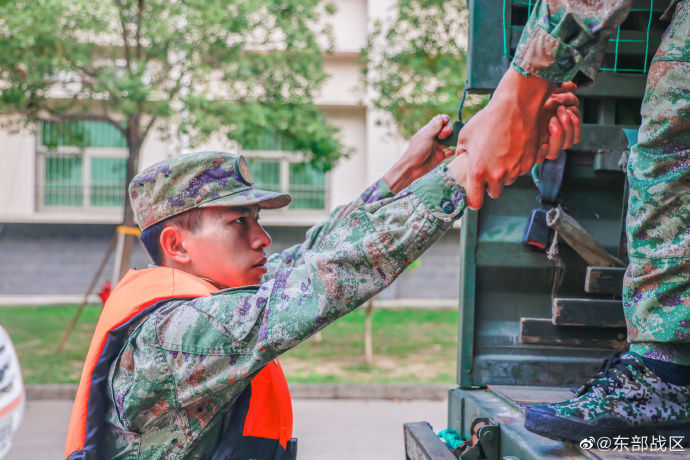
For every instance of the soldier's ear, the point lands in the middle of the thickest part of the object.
(172, 246)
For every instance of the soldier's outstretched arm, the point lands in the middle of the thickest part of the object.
(563, 40)
(422, 155)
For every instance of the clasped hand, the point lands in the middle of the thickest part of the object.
(525, 122)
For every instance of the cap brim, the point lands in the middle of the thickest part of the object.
(264, 198)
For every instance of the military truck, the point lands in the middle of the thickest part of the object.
(535, 317)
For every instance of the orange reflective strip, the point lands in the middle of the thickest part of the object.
(128, 230)
(270, 407)
(13, 405)
(136, 291)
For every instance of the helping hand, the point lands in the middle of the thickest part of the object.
(422, 155)
(526, 121)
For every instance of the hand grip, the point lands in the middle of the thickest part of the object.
(452, 140)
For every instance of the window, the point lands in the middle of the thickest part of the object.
(276, 171)
(307, 186)
(81, 165)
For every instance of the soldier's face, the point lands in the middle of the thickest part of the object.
(229, 246)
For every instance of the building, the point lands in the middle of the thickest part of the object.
(60, 201)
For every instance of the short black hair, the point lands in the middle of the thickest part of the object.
(151, 237)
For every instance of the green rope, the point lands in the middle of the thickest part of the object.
(505, 34)
(615, 58)
(529, 4)
(452, 438)
(649, 26)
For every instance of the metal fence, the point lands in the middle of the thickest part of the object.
(630, 48)
(81, 165)
(307, 187)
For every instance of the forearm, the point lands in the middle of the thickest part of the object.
(293, 255)
(398, 176)
(565, 40)
(355, 261)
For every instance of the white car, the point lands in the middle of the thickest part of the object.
(12, 396)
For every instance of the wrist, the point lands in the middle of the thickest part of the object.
(527, 93)
(458, 168)
(398, 176)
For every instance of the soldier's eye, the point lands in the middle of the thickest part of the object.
(241, 220)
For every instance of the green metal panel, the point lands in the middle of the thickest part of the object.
(494, 32)
(468, 271)
(503, 281)
(486, 62)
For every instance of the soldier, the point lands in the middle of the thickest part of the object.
(183, 360)
(647, 390)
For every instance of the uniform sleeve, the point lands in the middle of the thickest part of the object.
(293, 255)
(565, 40)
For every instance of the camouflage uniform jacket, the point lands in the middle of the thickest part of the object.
(565, 40)
(188, 359)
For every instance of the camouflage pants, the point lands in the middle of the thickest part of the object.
(656, 291)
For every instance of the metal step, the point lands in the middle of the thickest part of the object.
(604, 280)
(540, 331)
(587, 312)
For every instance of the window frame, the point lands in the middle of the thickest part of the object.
(285, 158)
(87, 154)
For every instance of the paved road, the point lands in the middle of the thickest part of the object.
(327, 429)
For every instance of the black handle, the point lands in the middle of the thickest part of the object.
(452, 140)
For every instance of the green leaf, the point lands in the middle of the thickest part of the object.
(415, 62)
(243, 68)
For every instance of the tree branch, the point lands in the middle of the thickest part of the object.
(138, 32)
(128, 58)
(148, 127)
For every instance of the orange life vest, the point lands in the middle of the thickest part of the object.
(258, 424)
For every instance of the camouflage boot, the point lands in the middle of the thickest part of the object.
(625, 398)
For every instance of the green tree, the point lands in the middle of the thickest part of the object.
(241, 68)
(414, 62)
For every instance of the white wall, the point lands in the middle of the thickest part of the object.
(17, 178)
(344, 83)
(350, 177)
(349, 24)
(156, 148)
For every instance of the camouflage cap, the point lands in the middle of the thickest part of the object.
(196, 180)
